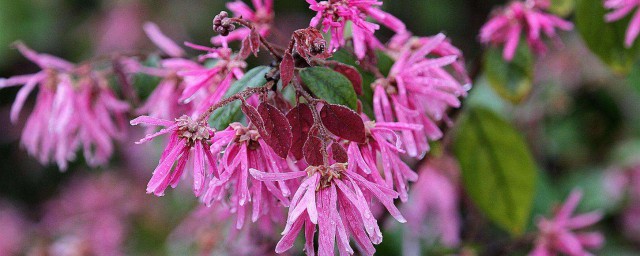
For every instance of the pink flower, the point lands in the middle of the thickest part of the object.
(620, 9)
(335, 200)
(241, 149)
(557, 235)
(334, 15)
(419, 90)
(188, 143)
(529, 17)
(164, 103)
(261, 18)
(90, 216)
(211, 230)
(383, 148)
(206, 86)
(162, 41)
(432, 210)
(75, 107)
(14, 229)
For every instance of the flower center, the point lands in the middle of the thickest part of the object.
(246, 135)
(191, 130)
(327, 173)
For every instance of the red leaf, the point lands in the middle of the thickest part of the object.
(352, 74)
(277, 128)
(301, 120)
(339, 153)
(343, 122)
(286, 69)
(254, 42)
(253, 116)
(313, 149)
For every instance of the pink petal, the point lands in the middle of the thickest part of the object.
(162, 41)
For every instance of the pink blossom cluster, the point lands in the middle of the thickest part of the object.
(559, 234)
(335, 15)
(329, 166)
(529, 17)
(85, 219)
(427, 67)
(75, 109)
(240, 169)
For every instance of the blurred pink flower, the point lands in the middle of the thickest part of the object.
(620, 9)
(261, 18)
(15, 229)
(507, 25)
(74, 107)
(119, 29)
(419, 90)
(623, 185)
(90, 216)
(334, 15)
(432, 210)
(213, 233)
(164, 103)
(557, 235)
(188, 144)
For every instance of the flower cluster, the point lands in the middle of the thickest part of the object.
(335, 15)
(75, 108)
(417, 75)
(318, 155)
(528, 17)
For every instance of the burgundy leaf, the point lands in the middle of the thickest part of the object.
(301, 120)
(254, 117)
(343, 122)
(278, 131)
(286, 69)
(313, 149)
(339, 153)
(352, 74)
(254, 42)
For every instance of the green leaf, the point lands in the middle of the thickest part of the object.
(230, 113)
(330, 85)
(605, 39)
(498, 170)
(513, 80)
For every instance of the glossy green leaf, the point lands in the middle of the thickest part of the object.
(604, 39)
(498, 170)
(513, 80)
(330, 85)
(222, 117)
